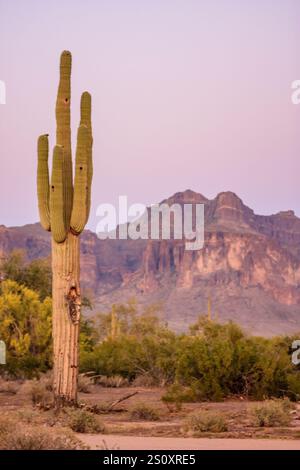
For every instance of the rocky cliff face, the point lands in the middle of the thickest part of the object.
(249, 267)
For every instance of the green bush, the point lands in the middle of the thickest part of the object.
(220, 361)
(176, 395)
(84, 422)
(125, 346)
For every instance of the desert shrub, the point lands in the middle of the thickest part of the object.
(84, 422)
(205, 421)
(144, 412)
(130, 357)
(272, 413)
(115, 381)
(9, 387)
(40, 393)
(220, 360)
(145, 380)
(214, 361)
(38, 439)
(27, 416)
(84, 384)
(132, 345)
(211, 362)
(176, 395)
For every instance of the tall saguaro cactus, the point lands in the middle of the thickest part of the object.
(64, 208)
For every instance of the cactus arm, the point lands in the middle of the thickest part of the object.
(85, 109)
(43, 182)
(85, 119)
(79, 212)
(63, 130)
(58, 229)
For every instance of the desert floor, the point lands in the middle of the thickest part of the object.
(169, 432)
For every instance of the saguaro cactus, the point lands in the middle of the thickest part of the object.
(64, 210)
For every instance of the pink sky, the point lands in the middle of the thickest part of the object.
(186, 94)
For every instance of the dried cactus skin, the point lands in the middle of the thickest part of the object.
(43, 181)
(63, 129)
(58, 229)
(79, 211)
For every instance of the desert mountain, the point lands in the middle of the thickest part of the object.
(249, 267)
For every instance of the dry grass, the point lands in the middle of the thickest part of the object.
(84, 422)
(9, 387)
(85, 384)
(40, 393)
(144, 412)
(272, 413)
(205, 421)
(116, 381)
(21, 436)
(144, 381)
(38, 438)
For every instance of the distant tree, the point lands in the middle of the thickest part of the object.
(35, 275)
(25, 327)
(127, 319)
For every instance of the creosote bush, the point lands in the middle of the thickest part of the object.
(115, 381)
(84, 422)
(272, 413)
(206, 421)
(84, 384)
(176, 395)
(40, 393)
(144, 412)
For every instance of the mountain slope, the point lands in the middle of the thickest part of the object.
(249, 267)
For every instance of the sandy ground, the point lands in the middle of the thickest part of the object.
(169, 432)
(112, 442)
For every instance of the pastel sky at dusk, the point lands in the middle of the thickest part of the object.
(186, 94)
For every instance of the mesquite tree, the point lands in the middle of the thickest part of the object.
(64, 208)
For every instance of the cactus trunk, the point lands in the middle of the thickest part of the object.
(66, 318)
